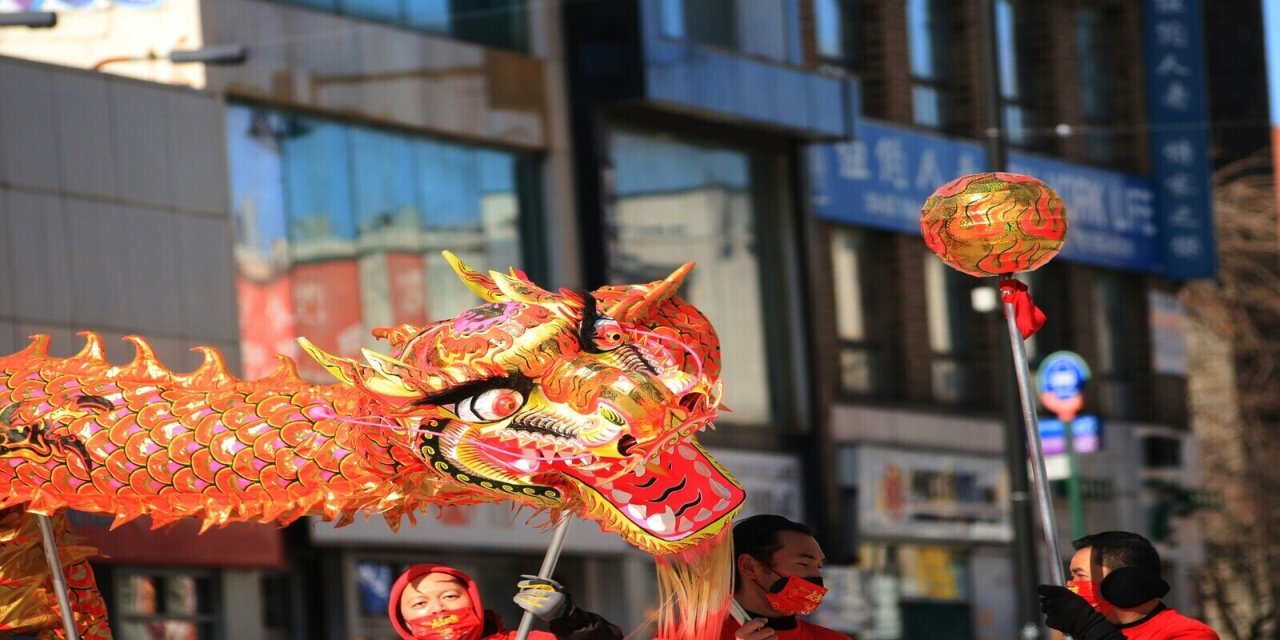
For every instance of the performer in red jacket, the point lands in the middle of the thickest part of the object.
(1115, 592)
(777, 576)
(435, 602)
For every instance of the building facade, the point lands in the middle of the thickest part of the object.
(786, 146)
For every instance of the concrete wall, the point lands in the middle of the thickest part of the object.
(114, 211)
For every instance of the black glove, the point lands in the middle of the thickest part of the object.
(1072, 615)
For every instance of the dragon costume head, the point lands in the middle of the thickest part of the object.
(563, 400)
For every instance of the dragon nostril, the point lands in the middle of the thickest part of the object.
(626, 444)
(691, 402)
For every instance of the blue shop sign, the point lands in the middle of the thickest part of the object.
(1178, 110)
(1111, 215)
(882, 178)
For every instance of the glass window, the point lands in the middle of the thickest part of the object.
(861, 355)
(946, 309)
(1096, 38)
(753, 27)
(931, 30)
(675, 202)
(1012, 93)
(1114, 321)
(836, 24)
(496, 23)
(340, 228)
(164, 604)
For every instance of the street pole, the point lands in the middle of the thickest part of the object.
(1026, 610)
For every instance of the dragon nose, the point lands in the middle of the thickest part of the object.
(626, 444)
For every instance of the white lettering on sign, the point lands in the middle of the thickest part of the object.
(1169, 66)
(852, 160)
(1172, 33)
(928, 175)
(1176, 96)
(891, 156)
(1180, 184)
(1186, 246)
(1179, 151)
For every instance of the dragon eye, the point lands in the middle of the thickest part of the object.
(606, 334)
(489, 406)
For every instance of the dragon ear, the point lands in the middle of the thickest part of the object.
(643, 299)
(477, 282)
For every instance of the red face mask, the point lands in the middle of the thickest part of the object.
(452, 624)
(1087, 589)
(796, 596)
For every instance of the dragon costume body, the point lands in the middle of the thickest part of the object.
(561, 401)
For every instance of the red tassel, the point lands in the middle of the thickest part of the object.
(1026, 314)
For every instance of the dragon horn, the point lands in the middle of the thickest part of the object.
(386, 381)
(477, 282)
(520, 290)
(643, 299)
(343, 369)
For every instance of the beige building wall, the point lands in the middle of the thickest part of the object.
(113, 215)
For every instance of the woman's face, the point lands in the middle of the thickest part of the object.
(433, 593)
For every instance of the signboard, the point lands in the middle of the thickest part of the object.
(237, 545)
(1178, 112)
(1168, 320)
(772, 483)
(934, 496)
(1060, 380)
(883, 176)
(1111, 215)
(1086, 435)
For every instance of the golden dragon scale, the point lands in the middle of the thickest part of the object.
(585, 402)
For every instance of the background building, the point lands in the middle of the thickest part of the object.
(784, 145)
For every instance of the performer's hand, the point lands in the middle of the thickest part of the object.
(1073, 615)
(543, 597)
(755, 629)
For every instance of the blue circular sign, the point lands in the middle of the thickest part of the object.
(1062, 374)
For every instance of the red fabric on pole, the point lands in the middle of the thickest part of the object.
(1026, 314)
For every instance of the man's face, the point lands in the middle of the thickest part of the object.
(433, 593)
(799, 556)
(1081, 564)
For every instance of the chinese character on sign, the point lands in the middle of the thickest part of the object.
(1179, 151)
(1176, 96)
(892, 157)
(928, 175)
(1172, 34)
(852, 157)
(1186, 246)
(1182, 216)
(1180, 184)
(1169, 66)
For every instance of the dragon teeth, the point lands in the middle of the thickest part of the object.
(663, 522)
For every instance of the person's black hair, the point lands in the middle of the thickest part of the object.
(757, 537)
(1117, 549)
